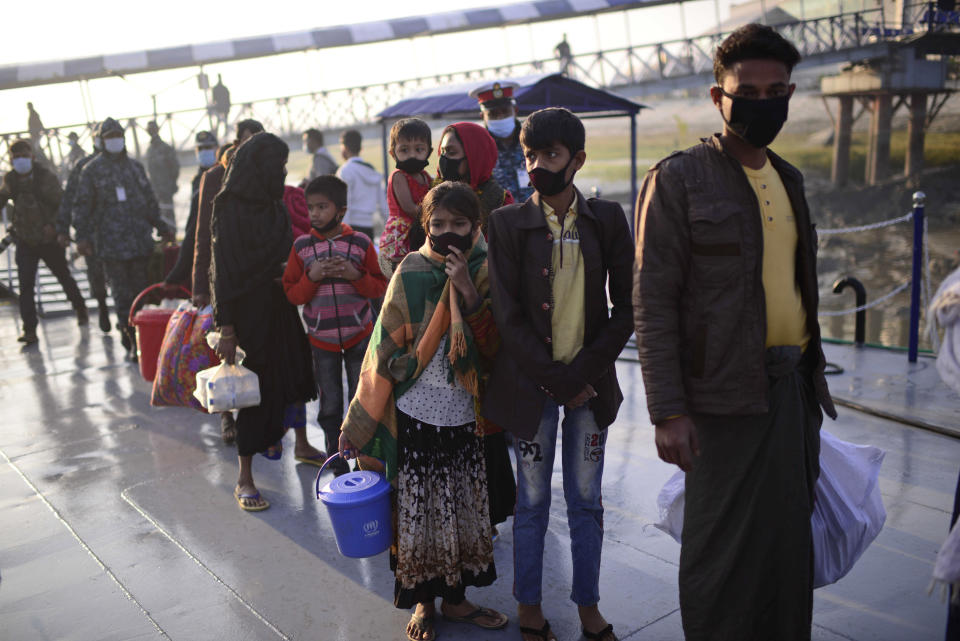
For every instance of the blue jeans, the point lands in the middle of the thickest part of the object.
(582, 465)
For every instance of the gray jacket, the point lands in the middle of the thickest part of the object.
(323, 164)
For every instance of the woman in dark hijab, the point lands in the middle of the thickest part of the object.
(251, 240)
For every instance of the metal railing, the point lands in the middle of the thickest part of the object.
(644, 66)
(918, 284)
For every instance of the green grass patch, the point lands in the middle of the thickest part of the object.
(608, 156)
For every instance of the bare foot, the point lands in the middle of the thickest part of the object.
(249, 499)
(307, 451)
(420, 626)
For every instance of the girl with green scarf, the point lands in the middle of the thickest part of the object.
(415, 409)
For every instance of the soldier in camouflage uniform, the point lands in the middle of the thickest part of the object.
(114, 215)
(36, 193)
(95, 275)
(499, 110)
(163, 169)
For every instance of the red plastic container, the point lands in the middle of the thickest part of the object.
(151, 326)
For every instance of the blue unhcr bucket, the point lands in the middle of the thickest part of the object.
(359, 507)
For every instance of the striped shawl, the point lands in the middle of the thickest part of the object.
(419, 310)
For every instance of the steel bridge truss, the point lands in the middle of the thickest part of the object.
(646, 68)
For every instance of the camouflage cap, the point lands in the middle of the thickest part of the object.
(205, 138)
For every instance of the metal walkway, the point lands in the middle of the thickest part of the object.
(123, 525)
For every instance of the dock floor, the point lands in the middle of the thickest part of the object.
(117, 521)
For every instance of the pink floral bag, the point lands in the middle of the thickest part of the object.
(184, 352)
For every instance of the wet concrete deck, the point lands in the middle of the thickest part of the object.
(885, 383)
(117, 522)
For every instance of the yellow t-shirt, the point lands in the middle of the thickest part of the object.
(566, 282)
(786, 317)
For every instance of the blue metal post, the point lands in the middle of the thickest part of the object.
(633, 172)
(919, 200)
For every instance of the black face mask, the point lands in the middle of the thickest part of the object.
(757, 121)
(550, 183)
(442, 243)
(450, 168)
(412, 165)
(330, 226)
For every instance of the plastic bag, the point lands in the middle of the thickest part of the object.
(847, 515)
(670, 503)
(227, 387)
(184, 352)
(946, 570)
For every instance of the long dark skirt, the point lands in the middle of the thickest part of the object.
(501, 483)
(746, 562)
(278, 351)
(443, 533)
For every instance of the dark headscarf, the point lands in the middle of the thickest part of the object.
(250, 226)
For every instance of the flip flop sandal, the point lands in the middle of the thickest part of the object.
(274, 452)
(425, 626)
(476, 614)
(317, 460)
(544, 633)
(261, 504)
(603, 635)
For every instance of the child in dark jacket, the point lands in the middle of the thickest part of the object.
(333, 273)
(553, 261)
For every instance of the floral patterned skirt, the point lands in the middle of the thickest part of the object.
(443, 532)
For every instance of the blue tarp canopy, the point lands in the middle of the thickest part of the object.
(532, 93)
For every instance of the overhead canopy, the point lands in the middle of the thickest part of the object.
(190, 55)
(532, 93)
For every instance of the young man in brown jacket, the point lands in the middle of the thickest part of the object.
(552, 261)
(725, 303)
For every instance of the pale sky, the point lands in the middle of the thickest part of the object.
(95, 27)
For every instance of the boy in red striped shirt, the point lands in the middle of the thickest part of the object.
(333, 272)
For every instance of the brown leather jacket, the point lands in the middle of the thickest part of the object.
(524, 374)
(699, 304)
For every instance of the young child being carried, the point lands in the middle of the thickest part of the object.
(410, 146)
(333, 273)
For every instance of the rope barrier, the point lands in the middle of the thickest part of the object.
(872, 303)
(925, 284)
(880, 225)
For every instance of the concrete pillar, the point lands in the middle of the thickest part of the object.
(878, 156)
(840, 171)
(915, 136)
